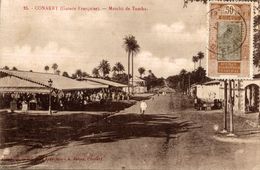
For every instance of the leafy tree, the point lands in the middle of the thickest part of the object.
(73, 76)
(6, 68)
(65, 74)
(141, 71)
(78, 73)
(104, 67)
(46, 68)
(121, 78)
(151, 74)
(85, 74)
(54, 67)
(14, 68)
(95, 72)
(58, 72)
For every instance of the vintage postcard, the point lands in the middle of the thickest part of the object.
(230, 41)
(130, 84)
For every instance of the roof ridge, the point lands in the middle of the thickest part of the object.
(28, 71)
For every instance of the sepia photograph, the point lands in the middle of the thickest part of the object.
(130, 84)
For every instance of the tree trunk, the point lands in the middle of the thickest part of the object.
(200, 62)
(128, 69)
(132, 73)
(225, 106)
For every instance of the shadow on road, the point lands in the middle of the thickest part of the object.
(44, 131)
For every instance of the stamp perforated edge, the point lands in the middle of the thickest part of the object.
(251, 48)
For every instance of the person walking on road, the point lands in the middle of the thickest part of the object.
(143, 107)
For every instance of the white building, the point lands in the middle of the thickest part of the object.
(208, 91)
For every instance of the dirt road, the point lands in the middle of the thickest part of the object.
(168, 136)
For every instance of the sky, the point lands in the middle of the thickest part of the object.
(168, 34)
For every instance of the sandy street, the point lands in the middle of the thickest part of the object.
(166, 137)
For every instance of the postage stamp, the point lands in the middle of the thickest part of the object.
(230, 40)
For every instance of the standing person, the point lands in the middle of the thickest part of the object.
(143, 107)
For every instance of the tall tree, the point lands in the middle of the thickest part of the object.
(141, 71)
(54, 67)
(194, 60)
(183, 73)
(95, 72)
(200, 56)
(104, 67)
(132, 48)
(46, 68)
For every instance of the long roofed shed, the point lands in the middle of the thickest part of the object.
(58, 82)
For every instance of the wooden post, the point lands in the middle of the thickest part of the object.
(50, 85)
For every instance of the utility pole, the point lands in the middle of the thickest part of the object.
(50, 85)
(231, 104)
(225, 108)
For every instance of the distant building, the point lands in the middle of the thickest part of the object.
(208, 91)
(139, 85)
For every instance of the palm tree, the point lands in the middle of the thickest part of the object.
(120, 67)
(104, 67)
(95, 72)
(132, 48)
(141, 71)
(135, 50)
(183, 73)
(46, 68)
(200, 56)
(195, 60)
(115, 69)
(54, 67)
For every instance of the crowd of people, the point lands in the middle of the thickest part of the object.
(74, 100)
